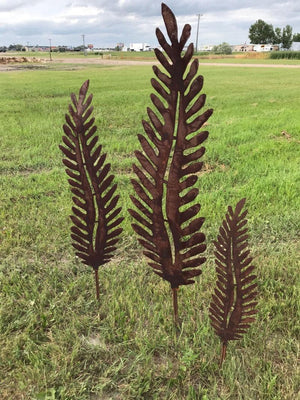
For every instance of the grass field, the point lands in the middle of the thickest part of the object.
(244, 58)
(56, 341)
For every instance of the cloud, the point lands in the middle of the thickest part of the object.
(106, 22)
(11, 5)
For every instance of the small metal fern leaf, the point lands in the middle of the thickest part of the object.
(96, 220)
(233, 303)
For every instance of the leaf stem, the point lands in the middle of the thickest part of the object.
(175, 306)
(223, 353)
(97, 283)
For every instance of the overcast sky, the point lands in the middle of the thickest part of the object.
(108, 22)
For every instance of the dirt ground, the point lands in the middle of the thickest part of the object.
(150, 62)
(13, 64)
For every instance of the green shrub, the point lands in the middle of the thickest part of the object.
(223, 48)
(202, 53)
(291, 55)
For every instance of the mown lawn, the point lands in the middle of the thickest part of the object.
(56, 341)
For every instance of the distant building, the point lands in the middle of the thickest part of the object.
(265, 47)
(205, 47)
(243, 47)
(295, 46)
(139, 47)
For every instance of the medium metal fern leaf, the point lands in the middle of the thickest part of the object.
(166, 215)
(96, 220)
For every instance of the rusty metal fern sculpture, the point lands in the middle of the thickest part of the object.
(233, 303)
(96, 220)
(166, 215)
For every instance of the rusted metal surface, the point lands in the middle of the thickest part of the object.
(96, 221)
(233, 306)
(167, 217)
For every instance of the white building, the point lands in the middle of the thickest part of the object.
(205, 47)
(265, 47)
(295, 46)
(139, 47)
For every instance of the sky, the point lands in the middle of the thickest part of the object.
(104, 23)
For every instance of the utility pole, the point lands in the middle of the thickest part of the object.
(50, 50)
(83, 43)
(199, 15)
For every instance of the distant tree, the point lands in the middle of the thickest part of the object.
(261, 32)
(79, 48)
(296, 37)
(287, 37)
(223, 48)
(277, 36)
(15, 47)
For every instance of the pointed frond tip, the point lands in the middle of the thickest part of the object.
(233, 305)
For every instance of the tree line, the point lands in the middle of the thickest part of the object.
(259, 33)
(262, 33)
(21, 47)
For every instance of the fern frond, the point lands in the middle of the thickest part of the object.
(96, 220)
(233, 307)
(167, 220)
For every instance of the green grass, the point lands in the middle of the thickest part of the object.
(56, 342)
(286, 55)
(238, 60)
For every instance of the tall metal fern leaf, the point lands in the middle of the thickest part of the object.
(166, 215)
(96, 220)
(233, 307)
